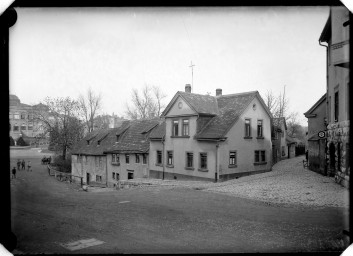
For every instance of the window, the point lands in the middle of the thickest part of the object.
(30, 116)
(144, 159)
(113, 175)
(203, 160)
(15, 127)
(260, 156)
(336, 106)
(113, 158)
(232, 158)
(159, 157)
(189, 159)
(30, 127)
(175, 127)
(127, 158)
(247, 128)
(137, 158)
(170, 157)
(185, 127)
(23, 127)
(16, 116)
(98, 178)
(23, 115)
(259, 129)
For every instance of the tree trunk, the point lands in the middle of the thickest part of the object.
(64, 152)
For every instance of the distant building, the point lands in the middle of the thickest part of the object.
(317, 146)
(336, 35)
(212, 137)
(276, 142)
(22, 122)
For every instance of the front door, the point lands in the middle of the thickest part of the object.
(88, 179)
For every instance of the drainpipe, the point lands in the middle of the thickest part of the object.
(327, 110)
(217, 170)
(163, 153)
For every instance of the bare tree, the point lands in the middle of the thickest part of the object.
(89, 106)
(148, 104)
(271, 101)
(60, 120)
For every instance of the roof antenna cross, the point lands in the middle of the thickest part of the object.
(192, 75)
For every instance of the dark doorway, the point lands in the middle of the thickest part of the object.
(332, 157)
(130, 175)
(88, 178)
(338, 157)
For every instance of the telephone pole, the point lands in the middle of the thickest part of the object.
(192, 76)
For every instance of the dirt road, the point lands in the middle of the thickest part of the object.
(166, 219)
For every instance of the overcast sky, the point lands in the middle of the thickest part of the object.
(60, 52)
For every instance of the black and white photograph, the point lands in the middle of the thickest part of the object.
(177, 129)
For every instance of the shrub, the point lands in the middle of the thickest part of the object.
(62, 165)
(21, 142)
(12, 142)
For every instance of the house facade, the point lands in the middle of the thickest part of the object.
(128, 157)
(336, 35)
(22, 122)
(105, 156)
(212, 137)
(316, 145)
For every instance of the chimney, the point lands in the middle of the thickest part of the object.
(188, 88)
(218, 92)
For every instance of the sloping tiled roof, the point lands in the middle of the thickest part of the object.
(202, 104)
(135, 139)
(230, 107)
(158, 133)
(83, 148)
(290, 140)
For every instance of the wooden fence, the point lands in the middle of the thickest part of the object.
(64, 176)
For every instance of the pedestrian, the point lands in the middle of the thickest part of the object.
(23, 164)
(18, 164)
(29, 166)
(14, 172)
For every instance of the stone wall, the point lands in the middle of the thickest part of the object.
(338, 135)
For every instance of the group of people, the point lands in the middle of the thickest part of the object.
(21, 165)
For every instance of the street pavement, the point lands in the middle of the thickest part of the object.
(47, 214)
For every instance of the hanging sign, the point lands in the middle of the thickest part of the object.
(321, 134)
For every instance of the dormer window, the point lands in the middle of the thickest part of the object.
(98, 143)
(117, 138)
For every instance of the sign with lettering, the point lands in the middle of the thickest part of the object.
(321, 134)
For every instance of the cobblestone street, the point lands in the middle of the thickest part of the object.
(288, 183)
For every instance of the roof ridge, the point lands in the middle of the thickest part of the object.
(236, 94)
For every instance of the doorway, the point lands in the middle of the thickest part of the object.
(87, 178)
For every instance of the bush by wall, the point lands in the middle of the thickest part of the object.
(62, 165)
(21, 142)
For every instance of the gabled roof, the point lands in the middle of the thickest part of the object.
(158, 132)
(135, 139)
(201, 104)
(318, 103)
(326, 32)
(279, 121)
(230, 108)
(89, 144)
